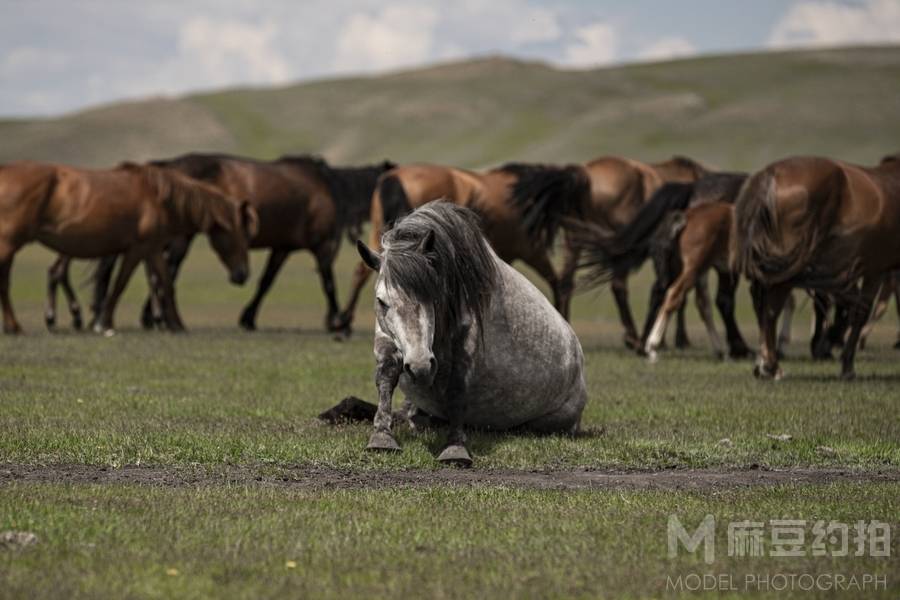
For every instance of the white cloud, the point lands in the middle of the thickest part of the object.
(228, 51)
(828, 23)
(397, 36)
(666, 48)
(597, 45)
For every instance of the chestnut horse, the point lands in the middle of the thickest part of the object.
(821, 224)
(620, 187)
(302, 202)
(519, 204)
(133, 210)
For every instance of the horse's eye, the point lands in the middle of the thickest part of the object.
(382, 305)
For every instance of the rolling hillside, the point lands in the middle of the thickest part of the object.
(737, 111)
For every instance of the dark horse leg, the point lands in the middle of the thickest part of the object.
(820, 345)
(567, 279)
(165, 291)
(102, 277)
(129, 262)
(860, 310)
(175, 253)
(769, 302)
(387, 374)
(897, 303)
(619, 286)
(725, 294)
(58, 274)
(360, 277)
(325, 254)
(681, 337)
(276, 259)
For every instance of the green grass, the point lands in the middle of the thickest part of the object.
(125, 541)
(219, 395)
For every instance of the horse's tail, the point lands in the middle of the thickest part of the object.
(608, 255)
(547, 196)
(394, 201)
(759, 248)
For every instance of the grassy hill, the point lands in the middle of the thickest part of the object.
(737, 111)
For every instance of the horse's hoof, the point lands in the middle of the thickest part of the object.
(682, 343)
(12, 330)
(50, 321)
(77, 323)
(848, 375)
(108, 333)
(652, 356)
(247, 324)
(764, 372)
(719, 355)
(632, 342)
(456, 455)
(382, 441)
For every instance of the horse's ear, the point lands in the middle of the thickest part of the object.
(427, 243)
(369, 256)
(249, 220)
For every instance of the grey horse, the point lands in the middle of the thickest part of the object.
(467, 337)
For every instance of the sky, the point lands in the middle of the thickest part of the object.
(58, 56)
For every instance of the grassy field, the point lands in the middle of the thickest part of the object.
(220, 398)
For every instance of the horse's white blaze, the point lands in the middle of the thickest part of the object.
(412, 336)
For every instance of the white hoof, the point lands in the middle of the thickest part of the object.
(652, 356)
(109, 333)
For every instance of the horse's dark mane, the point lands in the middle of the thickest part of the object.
(351, 188)
(546, 194)
(458, 274)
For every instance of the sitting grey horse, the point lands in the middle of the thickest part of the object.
(466, 336)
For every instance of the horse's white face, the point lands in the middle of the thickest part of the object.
(410, 325)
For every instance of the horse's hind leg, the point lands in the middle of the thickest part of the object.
(160, 270)
(768, 301)
(725, 293)
(619, 285)
(71, 298)
(897, 303)
(10, 324)
(102, 277)
(681, 337)
(860, 312)
(325, 254)
(273, 266)
(54, 275)
(540, 262)
(881, 305)
(175, 253)
(129, 262)
(567, 279)
(787, 317)
(704, 307)
(819, 345)
(674, 299)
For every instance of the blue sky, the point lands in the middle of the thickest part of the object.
(62, 55)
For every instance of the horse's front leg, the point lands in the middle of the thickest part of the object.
(160, 271)
(130, 261)
(54, 274)
(860, 310)
(455, 452)
(387, 373)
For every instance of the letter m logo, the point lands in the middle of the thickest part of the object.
(705, 534)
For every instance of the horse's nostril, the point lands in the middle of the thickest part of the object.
(408, 370)
(433, 363)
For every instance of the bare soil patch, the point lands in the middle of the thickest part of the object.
(323, 478)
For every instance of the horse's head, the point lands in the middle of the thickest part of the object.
(402, 314)
(436, 277)
(229, 235)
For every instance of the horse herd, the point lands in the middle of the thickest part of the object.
(818, 224)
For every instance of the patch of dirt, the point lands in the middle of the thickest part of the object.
(321, 478)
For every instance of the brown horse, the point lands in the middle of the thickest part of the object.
(302, 202)
(519, 204)
(133, 210)
(821, 224)
(684, 242)
(620, 187)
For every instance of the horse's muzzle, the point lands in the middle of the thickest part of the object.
(421, 372)
(239, 276)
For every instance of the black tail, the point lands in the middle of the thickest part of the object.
(394, 201)
(546, 195)
(606, 256)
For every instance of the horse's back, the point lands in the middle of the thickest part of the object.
(531, 362)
